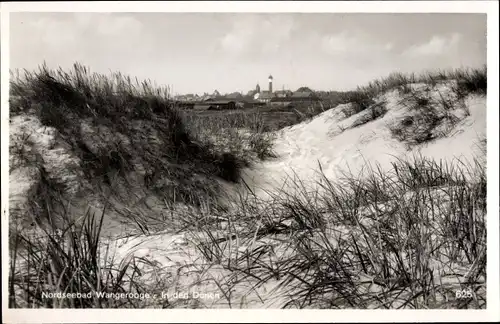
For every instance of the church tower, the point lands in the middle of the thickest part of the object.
(270, 84)
(257, 88)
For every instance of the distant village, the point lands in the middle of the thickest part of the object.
(253, 98)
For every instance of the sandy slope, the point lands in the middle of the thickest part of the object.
(302, 147)
(33, 145)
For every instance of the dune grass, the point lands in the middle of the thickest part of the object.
(63, 99)
(117, 125)
(469, 80)
(72, 268)
(410, 238)
(466, 81)
(243, 133)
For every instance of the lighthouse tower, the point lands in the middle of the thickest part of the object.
(270, 84)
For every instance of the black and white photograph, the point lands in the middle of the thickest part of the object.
(247, 160)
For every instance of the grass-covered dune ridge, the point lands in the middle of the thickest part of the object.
(117, 136)
(438, 119)
(377, 201)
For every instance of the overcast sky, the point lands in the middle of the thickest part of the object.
(201, 52)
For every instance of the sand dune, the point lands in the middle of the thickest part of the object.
(336, 141)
